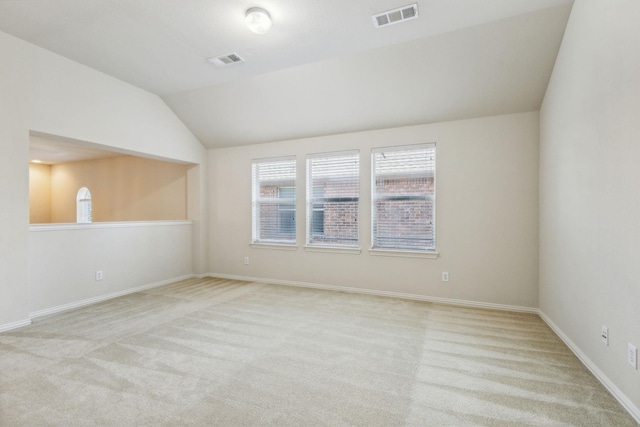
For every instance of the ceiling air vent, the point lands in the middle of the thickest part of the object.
(224, 60)
(395, 16)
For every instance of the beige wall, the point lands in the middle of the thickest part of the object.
(123, 188)
(590, 189)
(486, 220)
(39, 193)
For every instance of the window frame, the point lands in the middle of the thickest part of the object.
(427, 251)
(315, 204)
(257, 201)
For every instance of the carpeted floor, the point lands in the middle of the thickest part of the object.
(229, 353)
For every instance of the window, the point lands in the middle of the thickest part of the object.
(403, 197)
(333, 188)
(317, 213)
(273, 195)
(286, 210)
(83, 206)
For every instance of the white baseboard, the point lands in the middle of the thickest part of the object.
(15, 325)
(89, 301)
(606, 382)
(416, 297)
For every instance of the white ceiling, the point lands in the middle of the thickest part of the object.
(322, 69)
(51, 151)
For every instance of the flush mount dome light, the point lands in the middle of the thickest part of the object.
(258, 20)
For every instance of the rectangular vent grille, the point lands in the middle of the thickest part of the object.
(224, 60)
(395, 16)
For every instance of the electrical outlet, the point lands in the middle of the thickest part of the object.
(99, 275)
(632, 355)
(605, 335)
(246, 260)
(445, 276)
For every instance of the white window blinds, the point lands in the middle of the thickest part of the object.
(273, 194)
(403, 197)
(333, 188)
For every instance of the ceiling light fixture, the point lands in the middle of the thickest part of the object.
(258, 20)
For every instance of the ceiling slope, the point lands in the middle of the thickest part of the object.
(162, 45)
(496, 68)
(324, 68)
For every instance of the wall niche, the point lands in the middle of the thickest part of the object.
(124, 187)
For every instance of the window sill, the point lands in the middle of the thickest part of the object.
(97, 225)
(276, 246)
(333, 250)
(404, 253)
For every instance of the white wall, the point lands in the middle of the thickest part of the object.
(14, 180)
(75, 101)
(487, 219)
(197, 205)
(590, 189)
(130, 255)
(43, 92)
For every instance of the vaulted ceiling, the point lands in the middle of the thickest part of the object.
(324, 68)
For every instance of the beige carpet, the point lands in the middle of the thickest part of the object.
(220, 352)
